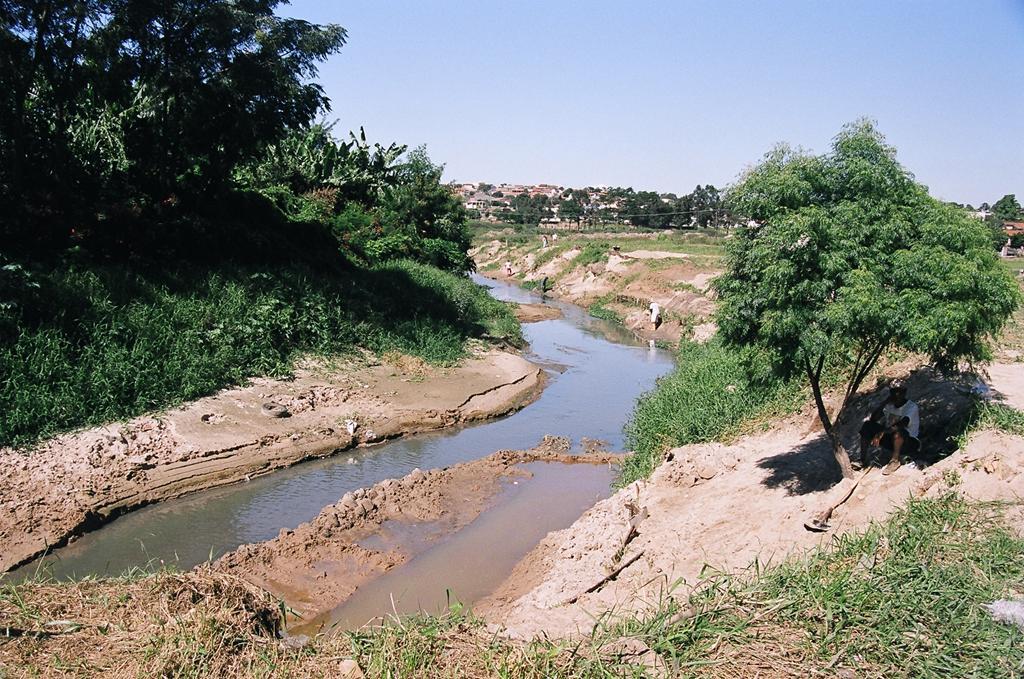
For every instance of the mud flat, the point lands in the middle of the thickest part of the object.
(76, 482)
(534, 313)
(371, 531)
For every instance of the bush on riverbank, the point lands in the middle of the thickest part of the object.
(708, 396)
(99, 343)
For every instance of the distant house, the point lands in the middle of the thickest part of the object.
(1013, 228)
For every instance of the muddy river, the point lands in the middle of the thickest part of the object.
(596, 370)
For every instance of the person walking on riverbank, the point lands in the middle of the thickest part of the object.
(655, 314)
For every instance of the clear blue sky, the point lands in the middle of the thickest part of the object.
(666, 95)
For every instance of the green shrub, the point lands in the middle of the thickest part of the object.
(591, 253)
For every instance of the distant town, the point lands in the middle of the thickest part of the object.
(567, 207)
(564, 206)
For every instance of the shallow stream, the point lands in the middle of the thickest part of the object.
(595, 369)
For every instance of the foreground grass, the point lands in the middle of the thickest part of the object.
(101, 344)
(903, 598)
(707, 397)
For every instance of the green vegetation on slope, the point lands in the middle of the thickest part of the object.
(903, 597)
(104, 343)
(708, 396)
(170, 230)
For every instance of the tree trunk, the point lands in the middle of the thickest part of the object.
(838, 450)
(841, 454)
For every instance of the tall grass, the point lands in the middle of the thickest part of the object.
(709, 395)
(108, 343)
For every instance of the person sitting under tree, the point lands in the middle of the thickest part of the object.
(893, 426)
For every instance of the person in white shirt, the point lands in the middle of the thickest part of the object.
(894, 426)
(655, 309)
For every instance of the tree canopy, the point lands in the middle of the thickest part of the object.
(170, 130)
(848, 257)
(136, 104)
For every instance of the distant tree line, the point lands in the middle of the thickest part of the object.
(703, 207)
(1006, 209)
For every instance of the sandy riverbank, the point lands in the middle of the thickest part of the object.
(658, 537)
(624, 280)
(319, 564)
(77, 481)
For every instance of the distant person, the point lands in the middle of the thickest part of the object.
(554, 237)
(655, 309)
(544, 241)
(544, 285)
(893, 426)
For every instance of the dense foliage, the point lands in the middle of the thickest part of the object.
(116, 108)
(127, 127)
(848, 257)
(174, 220)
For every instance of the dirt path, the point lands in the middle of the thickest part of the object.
(75, 482)
(320, 564)
(1007, 379)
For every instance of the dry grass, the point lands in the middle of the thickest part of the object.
(195, 624)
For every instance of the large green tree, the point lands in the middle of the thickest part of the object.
(141, 103)
(849, 258)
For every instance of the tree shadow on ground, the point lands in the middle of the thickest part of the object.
(808, 468)
(947, 408)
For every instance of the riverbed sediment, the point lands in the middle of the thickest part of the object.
(319, 564)
(75, 482)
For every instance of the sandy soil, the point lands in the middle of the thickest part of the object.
(75, 482)
(321, 563)
(534, 313)
(1007, 379)
(695, 512)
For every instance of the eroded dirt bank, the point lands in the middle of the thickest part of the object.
(77, 481)
(624, 281)
(321, 563)
(723, 506)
